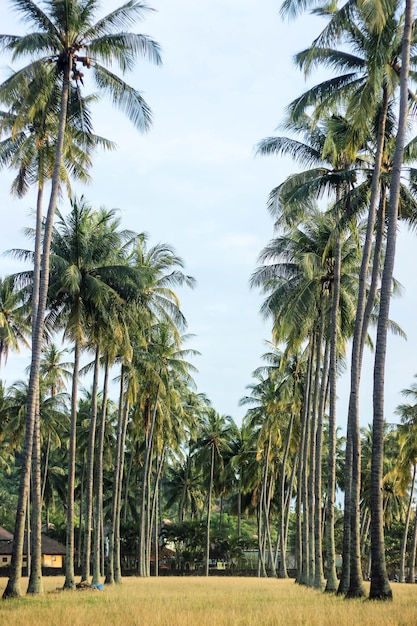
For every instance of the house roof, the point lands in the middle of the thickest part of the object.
(5, 535)
(49, 546)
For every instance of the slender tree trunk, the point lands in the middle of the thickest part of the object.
(412, 558)
(69, 558)
(331, 576)
(302, 509)
(155, 509)
(312, 455)
(117, 555)
(406, 527)
(319, 582)
(380, 587)
(98, 534)
(81, 517)
(351, 582)
(13, 588)
(209, 512)
(282, 571)
(185, 486)
(35, 579)
(144, 532)
(86, 562)
(13, 585)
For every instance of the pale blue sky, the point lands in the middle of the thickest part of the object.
(193, 181)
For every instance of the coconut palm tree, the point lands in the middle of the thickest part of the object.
(380, 587)
(58, 36)
(87, 263)
(213, 442)
(408, 463)
(14, 319)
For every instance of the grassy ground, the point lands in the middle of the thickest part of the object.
(174, 601)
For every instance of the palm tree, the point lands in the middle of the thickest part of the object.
(408, 463)
(366, 81)
(145, 369)
(380, 587)
(87, 259)
(213, 442)
(14, 319)
(58, 37)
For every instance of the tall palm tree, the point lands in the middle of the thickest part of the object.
(380, 587)
(14, 319)
(86, 259)
(366, 81)
(408, 462)
(58, 37)
(213, 442)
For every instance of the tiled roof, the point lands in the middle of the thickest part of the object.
(49, 546)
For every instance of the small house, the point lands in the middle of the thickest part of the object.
(53, 552)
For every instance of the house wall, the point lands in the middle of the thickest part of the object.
(52, 560)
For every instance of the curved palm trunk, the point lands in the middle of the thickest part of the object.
(116, 484)
(282, 571)
(331, 576)
(302, 508)
(184, 489)
(380, 587)
(85, 574)
(312, 456)
(401, 576)
(412, 557)
(114, 572)
(35, 580)
(145, 534)
(155, 509)
(13, 584)
(318, 504)
(209, 511)
(99, 481)
(352, 581)
(69, 558)
(267, 507)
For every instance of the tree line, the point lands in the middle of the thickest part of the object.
(326, 277)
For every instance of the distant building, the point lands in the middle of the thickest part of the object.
(53, 552)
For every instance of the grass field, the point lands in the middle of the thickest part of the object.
(172, 601)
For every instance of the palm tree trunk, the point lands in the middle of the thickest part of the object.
(380, 587)
(13, 585)
(155, 508)
(86, 562)
(301, 505)
(81, 516)
(331, 576)
(413, 549)
(184, 488)
(312, 455)
(98, 535)
(35, 580)
(209, 512)
(282, 571)
(118, 503)
(318, 505)
(401, 576)
(69, 558)
(144, 531)
(351, 582)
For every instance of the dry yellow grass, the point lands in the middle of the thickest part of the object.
(177, 601)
